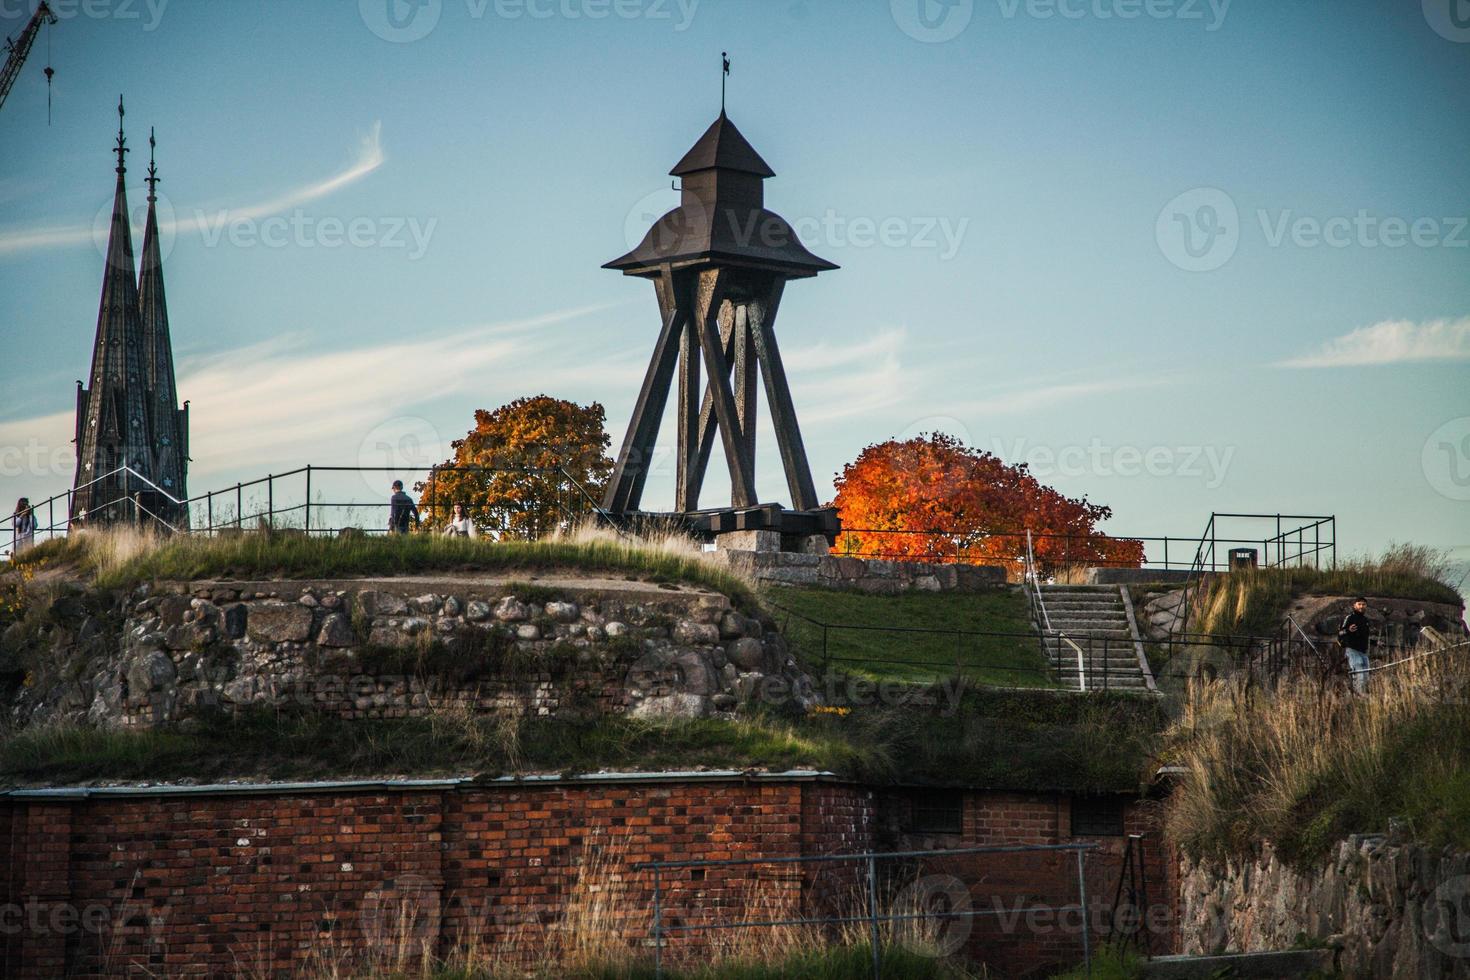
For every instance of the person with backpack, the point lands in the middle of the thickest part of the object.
(401, 510)
(23, 525)
(1353, 634)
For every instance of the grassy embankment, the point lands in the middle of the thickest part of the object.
(1306, 765)
(944, 733)
(869, 635)
(120, 559)
(1255, 603)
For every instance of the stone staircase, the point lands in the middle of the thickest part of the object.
(1099, 619)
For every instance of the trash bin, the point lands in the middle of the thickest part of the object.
(1244, 558)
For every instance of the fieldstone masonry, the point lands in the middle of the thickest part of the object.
(389, 648)
(863, 575)
(1393, 909)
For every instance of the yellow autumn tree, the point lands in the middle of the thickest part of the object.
(525, 469)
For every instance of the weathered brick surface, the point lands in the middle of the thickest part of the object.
(225, 885)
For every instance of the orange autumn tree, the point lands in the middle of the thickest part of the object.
(531, 465)
(955, 503)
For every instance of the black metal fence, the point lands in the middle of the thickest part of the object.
(1278, 540)
(325, 500)
(925, 901)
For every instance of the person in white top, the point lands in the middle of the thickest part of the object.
(460, 525)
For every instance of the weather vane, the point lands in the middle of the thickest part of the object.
(725, 58)
(153, 177)
(122, 143)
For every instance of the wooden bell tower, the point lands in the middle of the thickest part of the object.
(719, 263)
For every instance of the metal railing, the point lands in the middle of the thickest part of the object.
(863, 898)
(316, 500)
(1313, 540)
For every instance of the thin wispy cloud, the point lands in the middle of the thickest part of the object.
(278, 401)
(1038, 397)
(367, 157)
(831, 383)
(1391, 342)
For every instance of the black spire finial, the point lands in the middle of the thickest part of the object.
(122, 142)
(153, 177)
(724, 74)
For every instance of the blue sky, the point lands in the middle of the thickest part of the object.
(1181, 256)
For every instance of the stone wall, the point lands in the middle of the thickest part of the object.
(1395, 910)
(392, 648)
(862, 574)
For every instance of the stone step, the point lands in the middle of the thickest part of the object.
(1096, 635)
(1289, 963)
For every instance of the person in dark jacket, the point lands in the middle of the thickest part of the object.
(401, 509)
(1353, 634)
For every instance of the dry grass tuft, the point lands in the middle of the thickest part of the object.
(1308, 763)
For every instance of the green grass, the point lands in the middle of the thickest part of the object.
(1002, 739)
(119, 560)
(886, 653)
(838, 962)
(308, 745)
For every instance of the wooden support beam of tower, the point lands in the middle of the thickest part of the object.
(625, 489)
(762, 317)
(713, 286)
(688, 474)
(707, 408)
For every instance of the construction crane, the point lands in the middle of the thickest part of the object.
(18, 50)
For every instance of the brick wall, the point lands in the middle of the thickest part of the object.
(208, 884)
